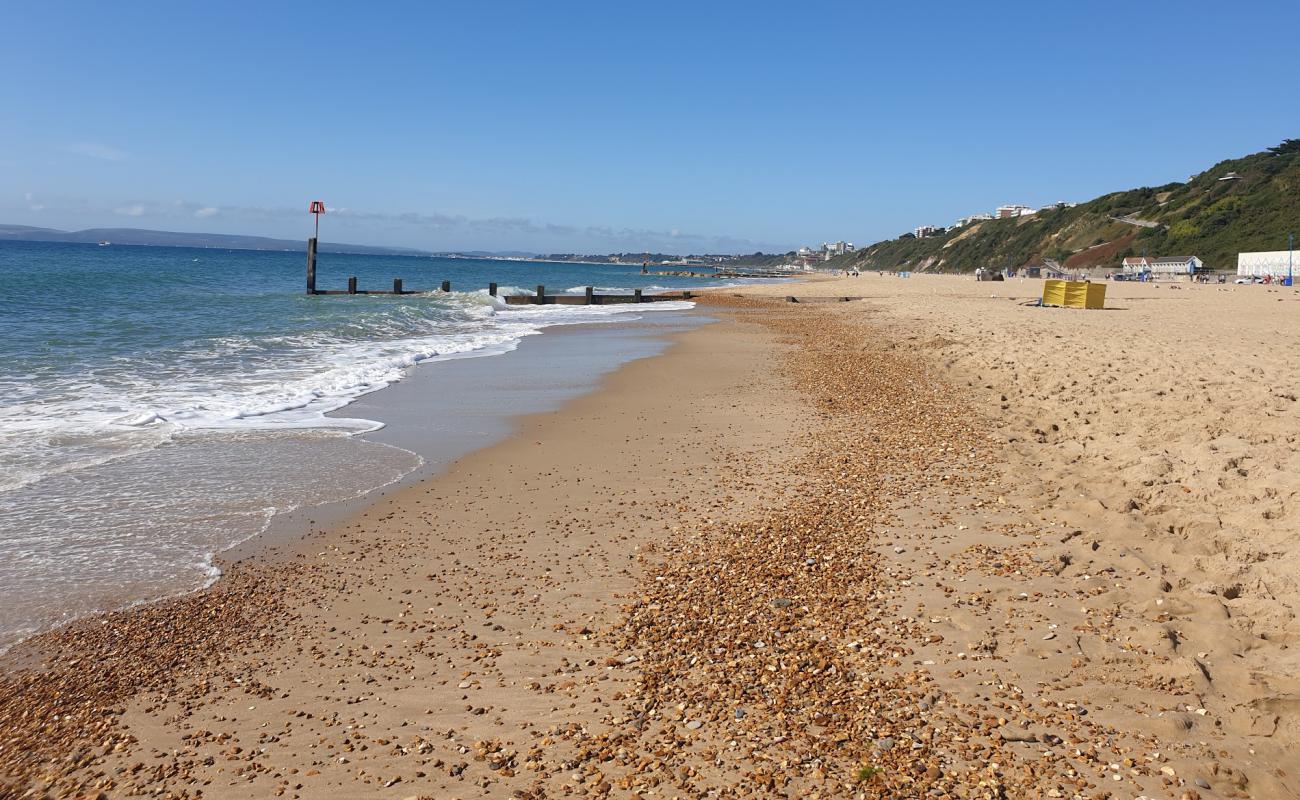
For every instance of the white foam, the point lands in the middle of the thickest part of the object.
(280, 383)
(138, 420)
(68, 553)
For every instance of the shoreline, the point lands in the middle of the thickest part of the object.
(530, 389)
(483, 403)
(542, 620)
(253, 594)
(125, 484)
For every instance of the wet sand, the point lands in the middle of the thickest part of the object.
(443, 411)
(934, 543)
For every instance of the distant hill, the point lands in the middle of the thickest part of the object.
(1238, 205)
(176, 239)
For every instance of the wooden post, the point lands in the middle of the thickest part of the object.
(397, 285)
(352, 285)
(311, 265)
(590, 292)
(446, 286)
(637, 294)
(492, 289)
(541, 294)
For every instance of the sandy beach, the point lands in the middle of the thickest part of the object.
(934, 542)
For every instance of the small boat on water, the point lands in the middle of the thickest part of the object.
(105, 243)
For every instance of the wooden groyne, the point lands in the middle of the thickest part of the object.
(540, 297)
(398, 288)
(588, 298)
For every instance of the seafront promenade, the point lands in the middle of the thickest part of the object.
(932, 543)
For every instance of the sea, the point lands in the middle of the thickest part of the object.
(160, 405)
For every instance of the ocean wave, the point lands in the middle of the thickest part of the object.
(250, 382)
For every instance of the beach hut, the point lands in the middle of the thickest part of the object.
(1275, 263)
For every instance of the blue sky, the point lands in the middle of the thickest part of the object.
(593, 127)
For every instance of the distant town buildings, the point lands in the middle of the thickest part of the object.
(809, 257)
(1009, 211)
(1005, 212)
(964, 221)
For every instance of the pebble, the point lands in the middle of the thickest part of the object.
(1010, 734)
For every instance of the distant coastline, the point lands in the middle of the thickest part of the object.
(144, 237)
(151, 238)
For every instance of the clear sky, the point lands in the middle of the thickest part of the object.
(592, 127)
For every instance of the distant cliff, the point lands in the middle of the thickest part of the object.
(1243, 204)
(177, 239)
